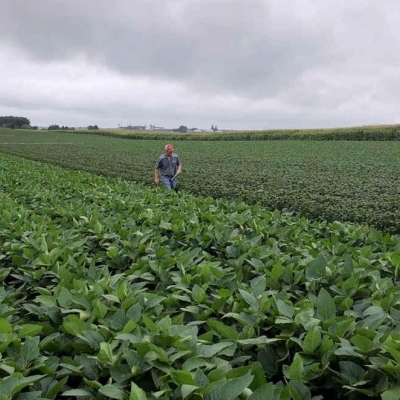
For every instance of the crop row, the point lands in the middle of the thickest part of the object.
(113, 290)
(362, 133)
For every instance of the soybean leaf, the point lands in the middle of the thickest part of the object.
(137, 393)
(234, 387)
(325, 305)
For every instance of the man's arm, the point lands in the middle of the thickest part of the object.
(156, 178)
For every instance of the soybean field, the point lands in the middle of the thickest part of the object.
(355, 181)
(116, 290)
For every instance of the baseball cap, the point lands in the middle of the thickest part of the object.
(169, 147)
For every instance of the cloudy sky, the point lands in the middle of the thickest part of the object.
(254, 64)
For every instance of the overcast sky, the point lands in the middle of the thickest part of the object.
(253, 64)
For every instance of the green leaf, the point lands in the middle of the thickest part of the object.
(78, 393)
(234, 387)
(5, 326)
(149, 323)
(393, 393)
(316, 269)
(99, 310)
(299, 390)
(7, 385)
(7, 368)
(14, 384)
(258, 285)
(347, 350)
(112, 392)
(211, 350)
(187, 390)
(285, 309)
(137, 393)
(105, 354)
(268, 359)
(112, 251)
(277, 270)
(264, 392)
(259, 375)
(54, 390)
(343, 327)
(112, 298)
(227, 332)
(198, 294)
(201, 379)
(225, 293)
(253, 341)
(363, 343)
(73, 325)
(29, 330)
(24, 382)
(134, 313)
(65, 298)
(182, 378)
(256, 263)
(249, 299)
(30, 349)
(351, 371)
(296, 368)
(48, 301)
(98, 227)
(312, 340)
(92, 338)
(194, 363)
(325, 305)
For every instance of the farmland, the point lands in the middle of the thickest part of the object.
(115, 290)
(353, 181)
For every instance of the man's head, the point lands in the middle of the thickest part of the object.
(169, 149)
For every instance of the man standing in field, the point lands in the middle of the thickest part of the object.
(169, 166)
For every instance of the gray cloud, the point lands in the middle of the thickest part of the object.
(246, 64)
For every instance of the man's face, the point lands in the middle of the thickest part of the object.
(169, 151)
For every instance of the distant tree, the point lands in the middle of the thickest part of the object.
(14, 122)
(93, 127)
(54, 127)
(214, 128)
(183, 129)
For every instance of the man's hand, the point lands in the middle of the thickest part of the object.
(157, 181)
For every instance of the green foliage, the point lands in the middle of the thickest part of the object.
(113, 290)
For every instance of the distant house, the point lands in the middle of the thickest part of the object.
(161, 129)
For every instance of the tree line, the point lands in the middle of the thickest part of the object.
(56, 127)
(24, 123)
